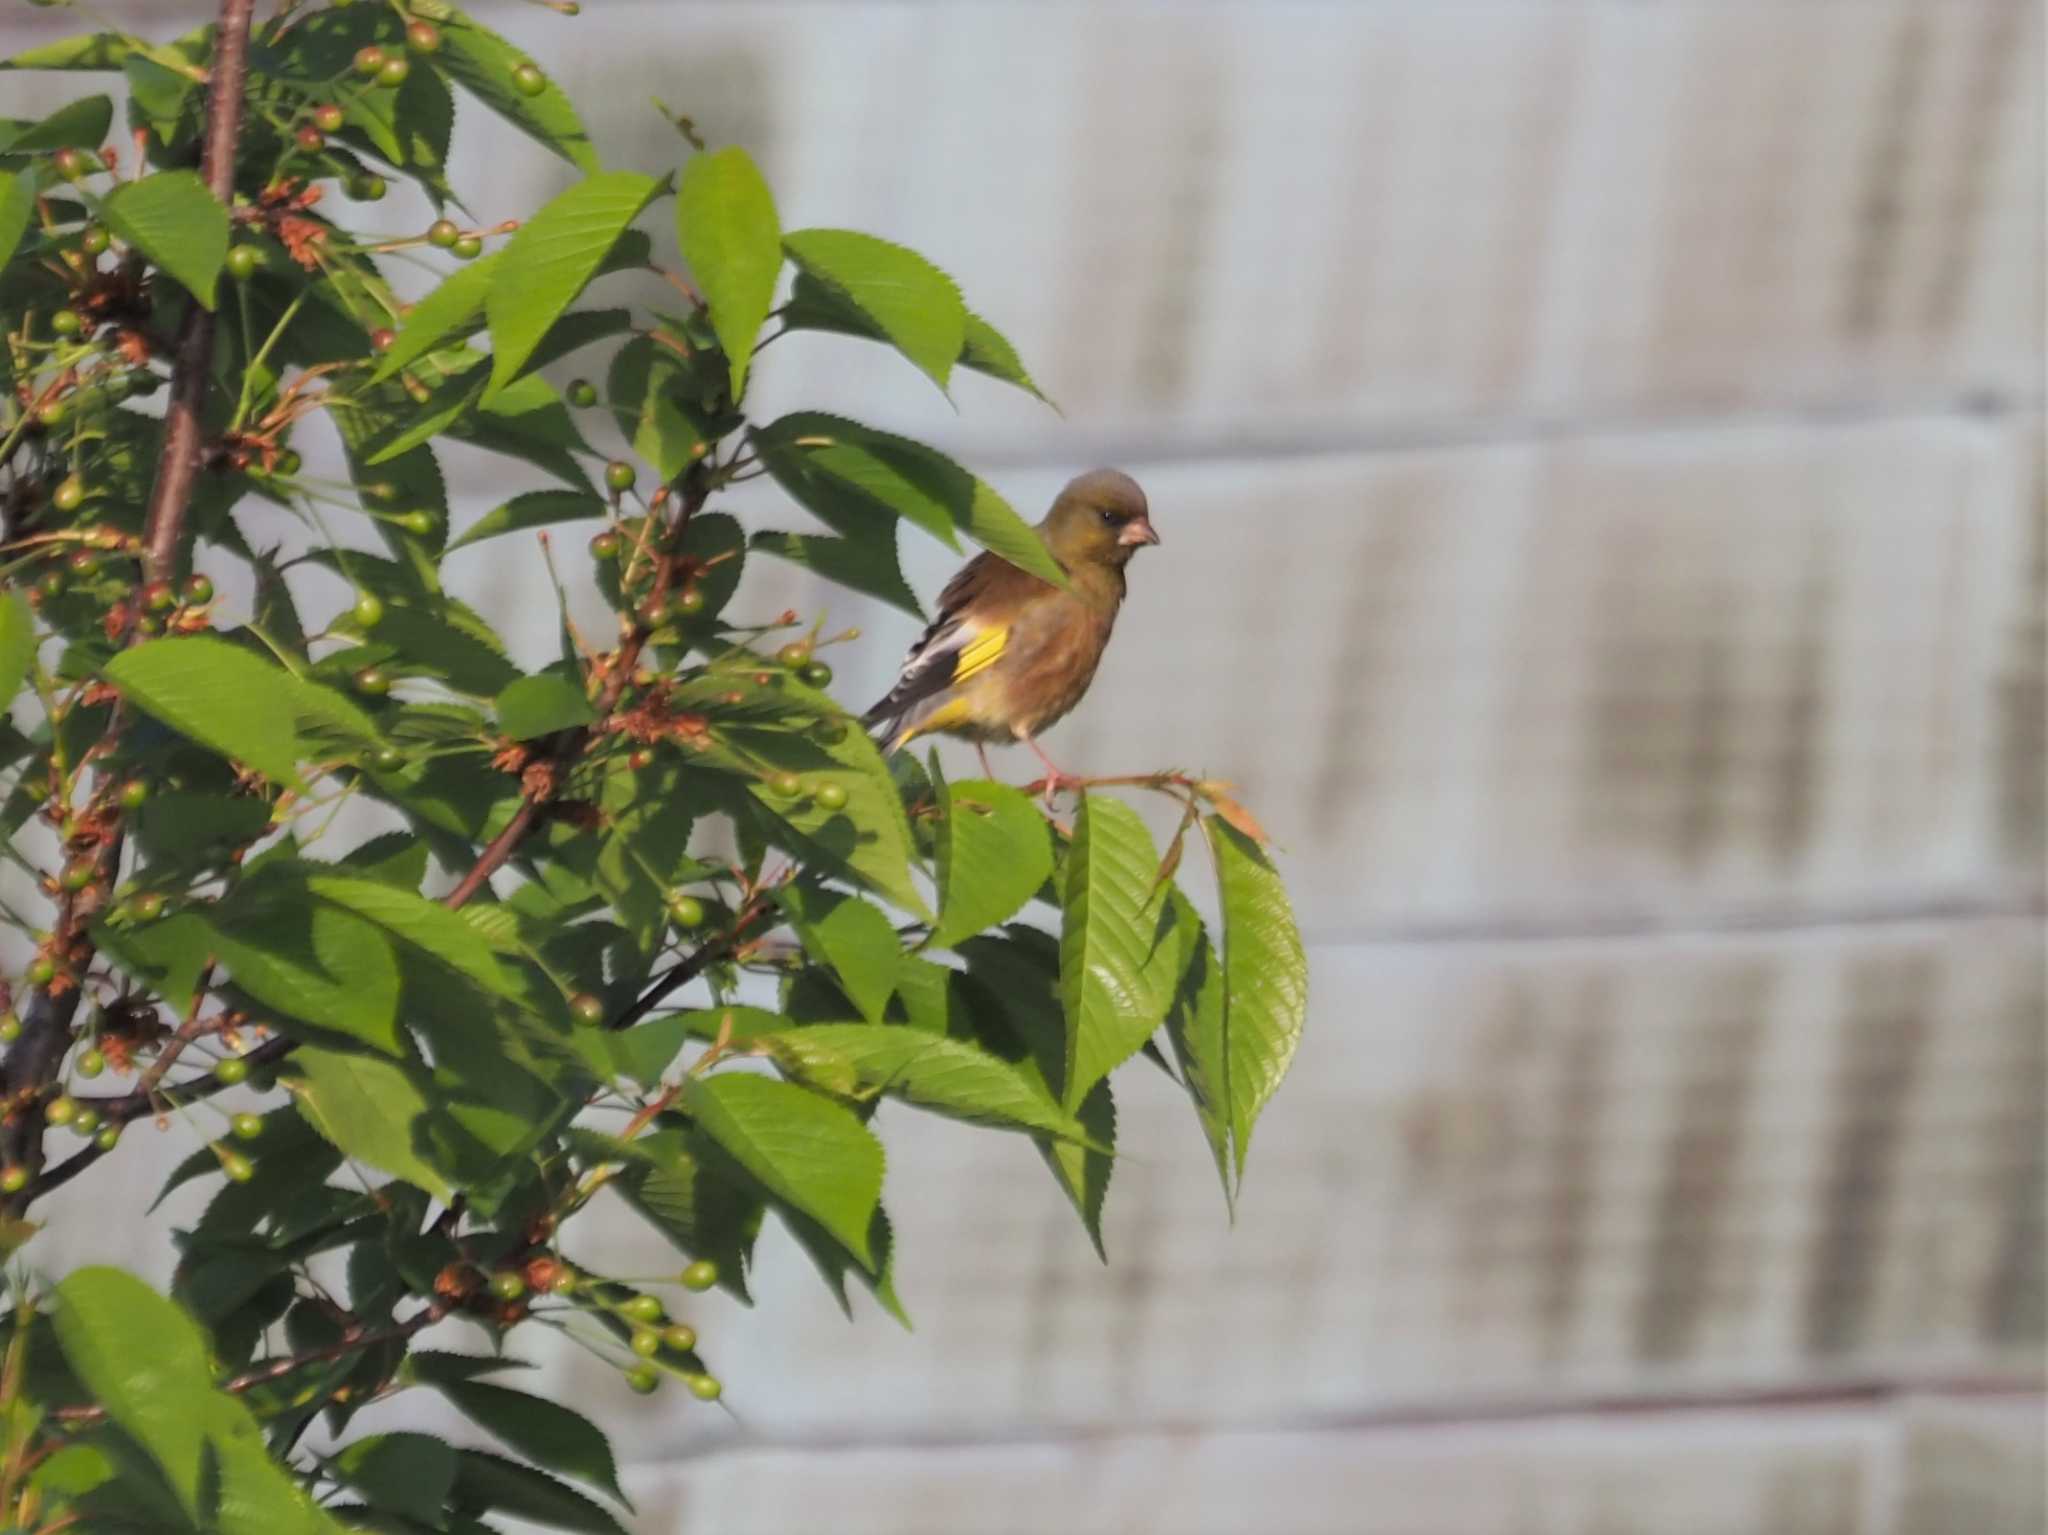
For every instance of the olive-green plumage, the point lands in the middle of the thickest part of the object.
(1008, 655)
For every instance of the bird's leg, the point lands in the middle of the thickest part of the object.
(981, 751)
(1054, 778)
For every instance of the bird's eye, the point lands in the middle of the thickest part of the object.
(1108, 516)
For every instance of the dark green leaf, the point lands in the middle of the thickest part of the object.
(851, 936)
(311, 961)
(372, 1110)
(950, 1076)
(656, 400)
(1083, 1171)
(732, 239)
(406, 1474)
(531, 509)
(551, 1436)
(81, 124)
(17, 642)
(542, 704)
(861, 564)
(17, 204)
(489, 1483)
(482, 63)
(179, 827)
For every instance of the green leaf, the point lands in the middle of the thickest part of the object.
(949, 1076)
(234, 701)
(310, 961)
(17, 644)
(80, 124)
(860, 564)
(807, 1151)
(815, 306)
(426, 925)
(174, 220)
(1265, 980)
(531, 509)
(725, 219)
(851, 936)
(1195, 1025)
(547, 263)
(442, 316)
(821, 459)
(394, 857)
(498, 1485)
(375, 1111)
(994, 852)
(482, 63)
(914, 304)
(17, 204)
(145, 1361)
(177, 826)
(1121, 955)
(989, 351)
(542, 704)
(87, 51)
(652, 395)
(406, 1474)
(689, 1197)
(1083, 1171)
(551, 1436)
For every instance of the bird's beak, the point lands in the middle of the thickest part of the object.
(1138, 531)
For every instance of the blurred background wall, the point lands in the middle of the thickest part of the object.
(1599, 451)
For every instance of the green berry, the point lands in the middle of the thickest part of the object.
(564, 1282)
(582, 393)
(61, 1111)
(159, 597)
(830, 796)
(65, 322)
(829, 732)
(238, 1167)
(69, 495)
(605, 546)
(82, 562)
(642, 1308)
(422, 37)
(369, 60)
(620, 475)
(52, 584)
(644, 1379)
(70, 164)
(679, 1336)
(419, 524)
(368, 611)
(817, 674)
(85, 1121)
(78, 874)
(247, 1127)
(372, 681)
(242, 261)
(688, 603)
(148, 906)
(231, 1071)
(700, 1276)
(290, 462)
(198, 591)
(387, 759)
(91, 1063)
(394, 72)
(785, 785)
(42, 970)
(686, 911)
(507, 1285)
(646, 1342)
(654, 612)
(705, 1388)
(108, 1138)
(10, 1028)
(442, 233)
(367, 189)
(328, 117)
(133, 794)
(794, 654)
(311, 139)
(13, 1179)
(94, 241)
(528, 81)
(586, 1009)
(468, 248)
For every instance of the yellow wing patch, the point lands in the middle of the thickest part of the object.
(955, 711)
(979, 654)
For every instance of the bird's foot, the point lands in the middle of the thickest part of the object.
(1052, 783)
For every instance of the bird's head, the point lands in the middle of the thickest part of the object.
(1099, 519)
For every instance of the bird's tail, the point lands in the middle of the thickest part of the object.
(885, 722)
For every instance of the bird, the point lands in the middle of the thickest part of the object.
(1009, 654)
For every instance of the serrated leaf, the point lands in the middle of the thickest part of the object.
(1265, 975)
(482, 63)
(17, 644)
(866, 565)
(394, 857)
(994, 852)
(310, 961)
(1083, 1171)
(444, 315)
(732, 239)
(372, 1110)
(949, 1076)
(652, 393)
(1121, 953)
(406, 1474)
(551, 1436)
(813, 305)
(989, 351)
(88, 51)
(426, 925)
(805, 1150)
(853, 938)
(542, 704)
(691, 1200)
(817, 457)
(504, 1486)
(234, 701)
(547, 263)
(914, 304)
(80, 124)
(17, 205)
(531, 509)
(177, 222)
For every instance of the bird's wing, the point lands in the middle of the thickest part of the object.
(964, 639)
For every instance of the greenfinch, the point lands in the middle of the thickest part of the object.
(1009, 654)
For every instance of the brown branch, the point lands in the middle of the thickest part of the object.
(32, 1065)
(679, 975)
